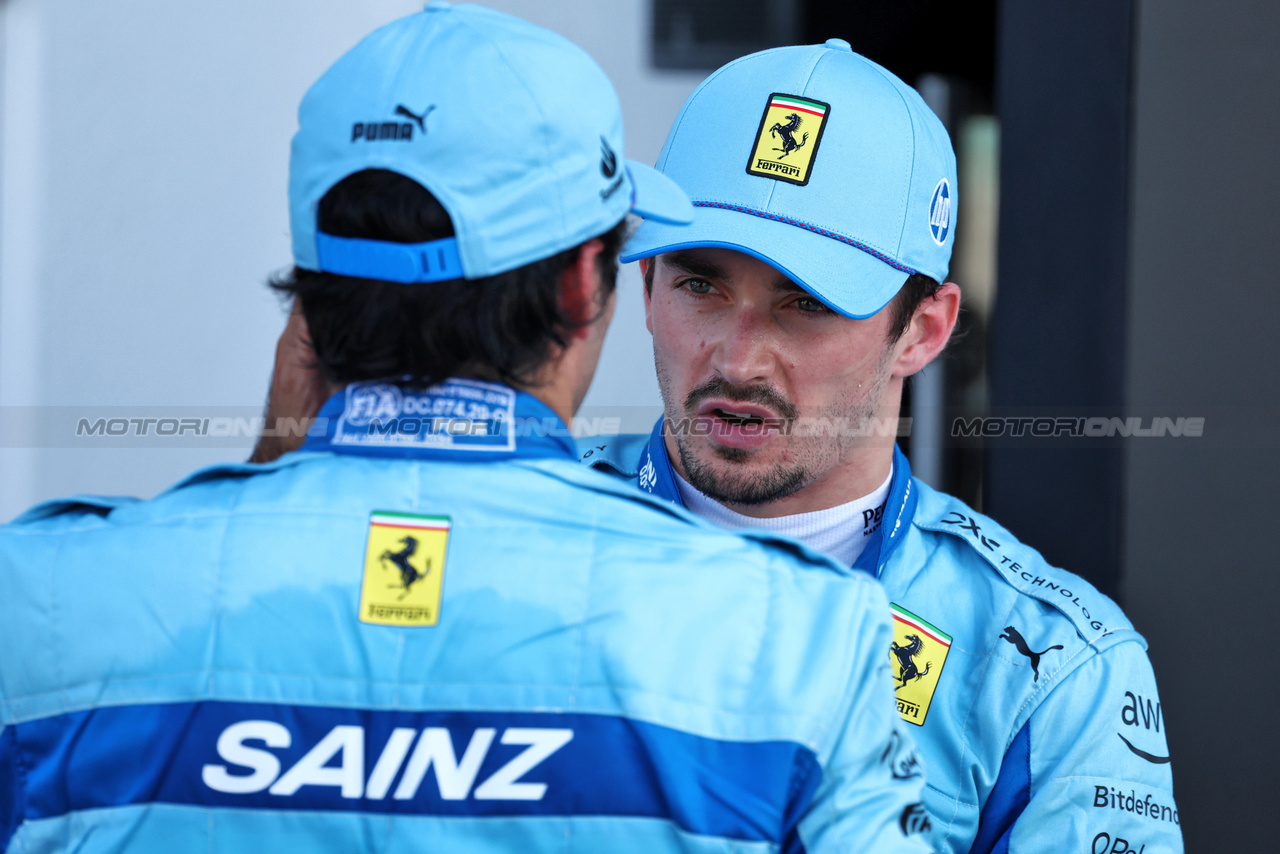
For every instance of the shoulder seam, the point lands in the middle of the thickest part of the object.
(1082, 656)
(776, 544)
(1092, 628)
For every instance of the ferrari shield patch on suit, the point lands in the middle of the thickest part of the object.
(403, 569)
(916, 657)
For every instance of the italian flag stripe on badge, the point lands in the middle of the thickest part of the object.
(936, 634)
(404, 520)
(791, 102)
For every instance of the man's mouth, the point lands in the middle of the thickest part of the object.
(742, 417)
(738, 418)
(737, 424)
(737, 412)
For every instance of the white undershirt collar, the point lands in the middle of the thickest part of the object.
(841, 531)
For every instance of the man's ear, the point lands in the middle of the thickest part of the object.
(645, 263)
(580, 289)
(929, 330)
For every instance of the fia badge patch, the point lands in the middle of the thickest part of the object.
(403, 569)
(916, 656)
(787, 141)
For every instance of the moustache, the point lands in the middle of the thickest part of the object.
(758, 394)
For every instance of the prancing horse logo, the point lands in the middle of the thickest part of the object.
(408, 573)
(788, 134)
(906, 655)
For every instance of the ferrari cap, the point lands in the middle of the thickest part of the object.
(513, 128)
(819, 162)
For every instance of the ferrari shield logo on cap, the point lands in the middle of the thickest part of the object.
(403, 569)
(916, 656)
(787, 141)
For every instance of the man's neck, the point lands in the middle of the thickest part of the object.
(854, 478)
(858, 474)
(842, 531)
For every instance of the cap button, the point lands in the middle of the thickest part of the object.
(437, 6)
(836, 44)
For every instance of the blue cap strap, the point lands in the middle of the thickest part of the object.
(408, 263)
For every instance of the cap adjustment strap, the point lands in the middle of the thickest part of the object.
(407, 263)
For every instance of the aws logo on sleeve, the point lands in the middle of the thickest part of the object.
(1144, 712)
(404, 569)
(916, 657)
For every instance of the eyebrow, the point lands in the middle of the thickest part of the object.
(687, 262)
(694, 265)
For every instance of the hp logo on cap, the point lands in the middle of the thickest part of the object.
(940, 212)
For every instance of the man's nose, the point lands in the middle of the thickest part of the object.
(746, 350)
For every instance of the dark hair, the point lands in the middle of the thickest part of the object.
(501, 327)
(914, 291)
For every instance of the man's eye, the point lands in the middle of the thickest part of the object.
(698, 286)
(810, 304)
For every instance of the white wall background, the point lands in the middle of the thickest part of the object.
(143, 161)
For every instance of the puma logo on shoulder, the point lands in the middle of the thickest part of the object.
(1015, 637)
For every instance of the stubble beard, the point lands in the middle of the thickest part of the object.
(724, 473)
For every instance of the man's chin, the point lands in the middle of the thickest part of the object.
(736, 476)
(731, 454)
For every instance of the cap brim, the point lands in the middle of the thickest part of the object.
(657, 198)
(850, 280)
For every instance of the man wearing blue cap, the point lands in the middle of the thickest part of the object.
(785, 320)
(430, 629)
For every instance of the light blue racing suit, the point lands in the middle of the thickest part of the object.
(431, 629)
(1034, 704)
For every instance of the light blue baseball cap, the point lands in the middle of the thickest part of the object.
(819, 162)
(514, 129)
